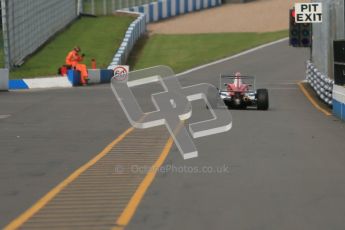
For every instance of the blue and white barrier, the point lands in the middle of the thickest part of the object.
(153, 12)
(100, 75)
(322, 85)
(339, 101)
(39, 83)
(135, 30)
(96, 76)
(163, 9)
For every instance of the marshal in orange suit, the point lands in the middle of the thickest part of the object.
(73, 59)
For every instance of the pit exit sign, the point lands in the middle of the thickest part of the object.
(308, 12)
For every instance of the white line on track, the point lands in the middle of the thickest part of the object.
(4, 116)
(232, 57)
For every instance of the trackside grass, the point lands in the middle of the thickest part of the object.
(182, 52)
(99, 37)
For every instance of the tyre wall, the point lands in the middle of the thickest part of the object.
(322, 85)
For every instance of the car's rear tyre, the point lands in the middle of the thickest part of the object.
(262, 99)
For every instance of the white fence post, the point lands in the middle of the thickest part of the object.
(80, 7)
(113, 7)
(93, 7)
(104, 7)
(5, 34)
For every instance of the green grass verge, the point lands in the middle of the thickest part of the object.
(182, 52)
(98, 38)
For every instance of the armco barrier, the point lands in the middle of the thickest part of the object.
(339, 101)
(163, 9)
(322, 85)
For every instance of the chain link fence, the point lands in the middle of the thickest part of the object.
(108, 7)
(331, 28)
(28, 24)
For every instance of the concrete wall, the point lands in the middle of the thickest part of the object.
(332, 28)
(4, 75)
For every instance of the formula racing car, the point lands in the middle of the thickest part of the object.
(239, 92)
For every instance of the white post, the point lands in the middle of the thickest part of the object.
(113, 7)
(79, 7)
(104, 7)
(120, 4)
(92, 6)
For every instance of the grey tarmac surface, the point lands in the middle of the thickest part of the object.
(47, 136)
(286, 165)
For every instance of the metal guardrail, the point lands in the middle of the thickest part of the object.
(332, 28)
(322, 85)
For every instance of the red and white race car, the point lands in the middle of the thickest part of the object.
(239, 92)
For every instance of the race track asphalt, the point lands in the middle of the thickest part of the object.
(286, 165)
(48, 135)
(284, 168)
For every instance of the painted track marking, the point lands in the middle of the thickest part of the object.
(20, 220)
(312, 100)
(132, 205)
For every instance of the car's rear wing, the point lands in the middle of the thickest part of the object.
(230, 79)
